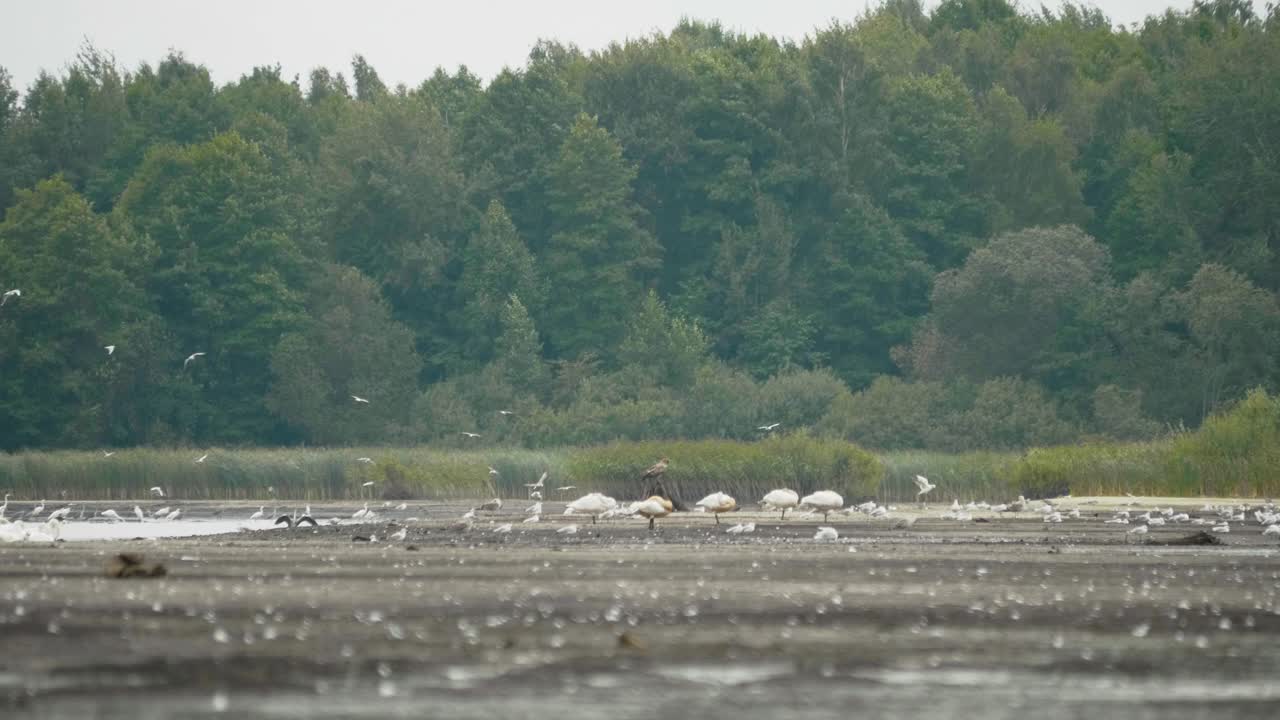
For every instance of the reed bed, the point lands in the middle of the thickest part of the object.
(1234, 453)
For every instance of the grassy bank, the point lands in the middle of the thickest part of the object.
(1236, 453)
(747, 470)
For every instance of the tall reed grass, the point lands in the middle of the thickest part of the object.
(964, 477)
(1234, 453)
(745, 470)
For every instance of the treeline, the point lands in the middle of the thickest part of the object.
(971, 228)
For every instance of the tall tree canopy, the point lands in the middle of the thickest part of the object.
(1029, 226)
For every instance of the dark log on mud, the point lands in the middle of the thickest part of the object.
(1198, 538)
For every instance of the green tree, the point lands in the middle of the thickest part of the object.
(1029, 304)
(1235, 328)
(932, 133)
(395, 209)
(495, 266)
(519, 350)
(455, 96)
(78, 296)
(667, 349)
(264, 92)
(1151, 229)
(348, 346)
(869, 287)
(512, 140)
(1027, 165)
(1011, 414)
(67, 125)
(227, 272)
(777, 338)
(174, 102)
(599, 256)
(369, 86)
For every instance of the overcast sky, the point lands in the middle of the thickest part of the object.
(403, 40)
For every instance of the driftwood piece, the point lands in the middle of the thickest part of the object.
(1197, 538)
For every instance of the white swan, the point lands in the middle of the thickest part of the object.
(781, 499)
(824, 501)
(593, 504)
(826, 533)
(717, 503)
(653, 508)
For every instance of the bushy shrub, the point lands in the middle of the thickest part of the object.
(721, 404)
(998, 415)
(1010, 414)
(799, 398)
(1236, 452)
(891, 414)
(1117, 414)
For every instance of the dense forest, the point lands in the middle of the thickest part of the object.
(978, 227)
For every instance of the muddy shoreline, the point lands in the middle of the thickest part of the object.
(927, 617)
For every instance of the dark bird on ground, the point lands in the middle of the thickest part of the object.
(293, 521)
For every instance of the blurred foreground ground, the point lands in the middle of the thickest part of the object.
(933, 619)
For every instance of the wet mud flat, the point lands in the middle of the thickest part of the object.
(1010, 618)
